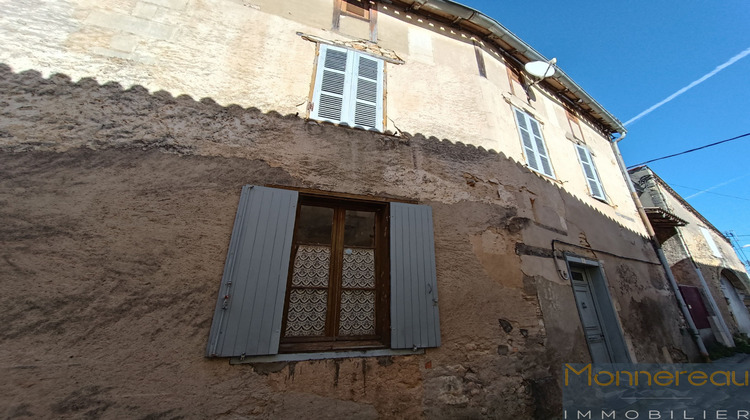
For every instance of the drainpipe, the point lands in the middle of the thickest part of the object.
(662, 258)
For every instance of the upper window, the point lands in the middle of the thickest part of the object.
(358, 8)
(517, 86)
(348, 88)
(316, 273)
(575, 125)
(533, 143)
(589, 171)
(710, 241)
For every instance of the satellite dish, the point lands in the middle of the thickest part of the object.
(541, 69)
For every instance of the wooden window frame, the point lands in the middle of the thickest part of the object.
(514, 75)
(330, 341)
(366, 7)
(574, 122)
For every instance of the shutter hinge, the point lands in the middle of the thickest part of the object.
(311, 106)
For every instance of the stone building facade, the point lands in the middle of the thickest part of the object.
(130, 127)
(711, 276)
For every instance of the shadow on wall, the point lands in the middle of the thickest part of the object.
(57, 114)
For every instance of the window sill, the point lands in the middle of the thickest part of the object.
(543, 175)
(345, 125)
(603, 200)
(299, 357)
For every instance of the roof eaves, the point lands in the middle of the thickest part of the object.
(459, 11)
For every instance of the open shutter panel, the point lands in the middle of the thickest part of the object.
(523, 128)
(368, 107)
(414, 300)
(330, 84)
(541, 149)
(249, 310)
(590, 172)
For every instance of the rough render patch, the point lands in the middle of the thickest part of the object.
(114, 258)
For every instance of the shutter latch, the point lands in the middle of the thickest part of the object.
(225, 304)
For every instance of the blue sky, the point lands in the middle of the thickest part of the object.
(632, 55)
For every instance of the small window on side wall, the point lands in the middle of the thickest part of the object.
(534, 148)
(575, 125)
(348, 88)
(356, 8)
(710, 241)
(590, 172)
(517, 84)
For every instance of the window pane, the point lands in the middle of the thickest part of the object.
(307, 313)
(359, 268)
(311, 266)
(357, 312)
(314, 225)
(359, 229)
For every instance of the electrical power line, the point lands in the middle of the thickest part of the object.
(709, 192)
(691, 150)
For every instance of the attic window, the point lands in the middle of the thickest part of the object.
(575, 125)
(356, 8)
(517, 86)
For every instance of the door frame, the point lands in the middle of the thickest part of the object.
(602, 299)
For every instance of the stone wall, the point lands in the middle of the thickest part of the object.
(117, 206)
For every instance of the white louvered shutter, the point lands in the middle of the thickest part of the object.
(348, 88)
(368, 95)
(541, 148)
(589, 170)
(533, 143)
(331, 84)
(528, 146)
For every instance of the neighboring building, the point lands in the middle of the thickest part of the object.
(713, 280)
(443, 259)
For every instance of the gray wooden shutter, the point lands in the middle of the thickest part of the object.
(589, 171)
(414, 301)
(330, 84)
(249, 309)
(368, 98)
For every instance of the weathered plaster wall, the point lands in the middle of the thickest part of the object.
(710, 265)
(117, 206)
(248, 53)
(686, 246)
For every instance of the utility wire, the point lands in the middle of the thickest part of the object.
(709, 192)
(691, 150)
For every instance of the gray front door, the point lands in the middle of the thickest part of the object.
(590, 317)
